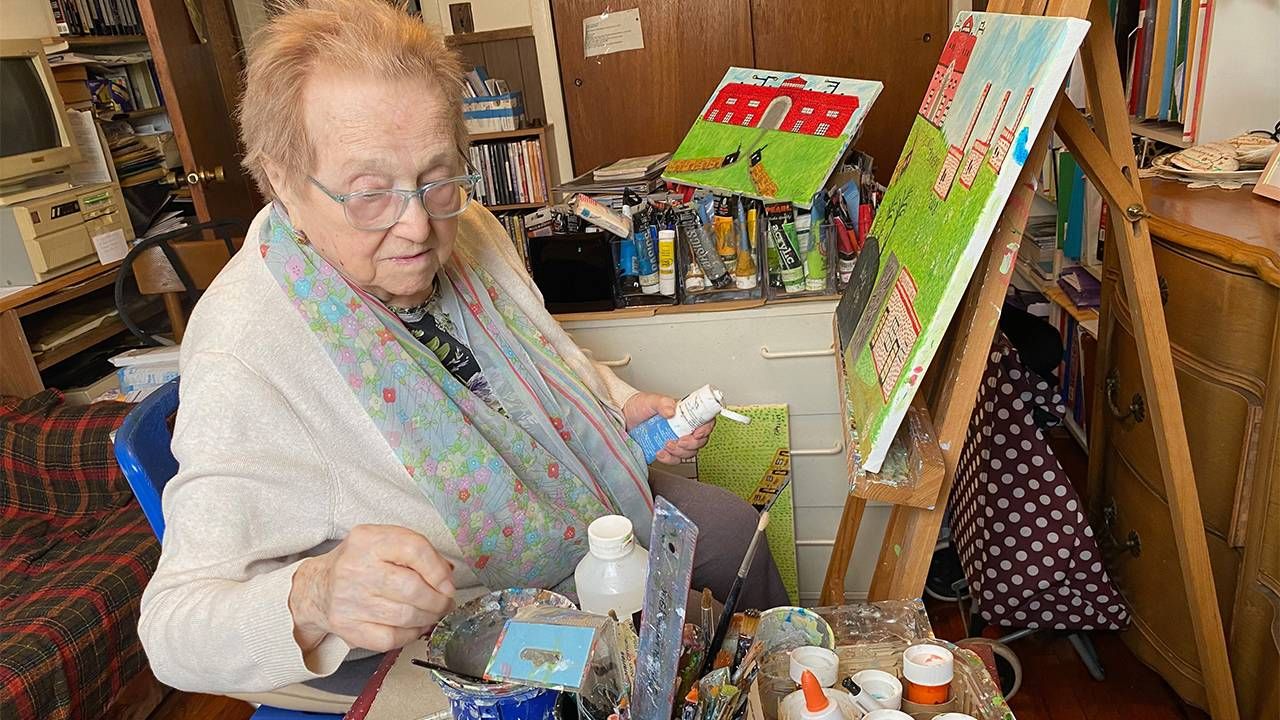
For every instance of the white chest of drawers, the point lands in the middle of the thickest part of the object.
(777, 354)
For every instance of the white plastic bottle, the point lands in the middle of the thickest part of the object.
(612, 575)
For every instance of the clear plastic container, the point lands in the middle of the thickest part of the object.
(612, 575)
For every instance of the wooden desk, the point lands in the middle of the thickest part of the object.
(1218, 254)
(21, 313)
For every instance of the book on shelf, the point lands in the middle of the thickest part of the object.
(511, 172)
(1162, 46)
(96, 17)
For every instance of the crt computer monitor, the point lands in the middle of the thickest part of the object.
(35, 138)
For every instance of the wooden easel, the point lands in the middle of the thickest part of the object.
(1105, 153)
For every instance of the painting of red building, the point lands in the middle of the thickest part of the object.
(948, 73)
(808, 112)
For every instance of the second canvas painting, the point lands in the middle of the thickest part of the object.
(985, 106)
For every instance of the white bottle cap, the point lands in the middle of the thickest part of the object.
(886, 714)
(824, 664)
(928, 665)
(954, 716)
(610, 537)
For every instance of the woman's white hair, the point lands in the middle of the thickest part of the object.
(372, 36)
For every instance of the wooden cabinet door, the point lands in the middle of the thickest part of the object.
(195, 48)
(644, 101)
(894, 41)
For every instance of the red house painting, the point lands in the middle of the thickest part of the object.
(948, 73)
(809, 112)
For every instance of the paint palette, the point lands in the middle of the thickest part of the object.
(783, 629)
(464, 640)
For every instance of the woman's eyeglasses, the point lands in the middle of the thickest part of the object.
(380, 209)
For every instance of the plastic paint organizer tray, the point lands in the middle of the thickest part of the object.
(872, 636)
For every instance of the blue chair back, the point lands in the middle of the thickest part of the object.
(142, 449)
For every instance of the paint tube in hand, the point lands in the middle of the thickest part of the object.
(703, 247)
(782, 235)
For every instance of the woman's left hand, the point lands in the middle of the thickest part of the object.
(643, 405)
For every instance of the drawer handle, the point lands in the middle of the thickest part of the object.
(1164, 290)
(1132, 543)
(623, 361)
(836, 450)
(768, 354)
(1137, 406)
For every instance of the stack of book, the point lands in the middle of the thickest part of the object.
(511, 172)
(115, 83)
(514, 223)
(607, 183)
(136, 162)
(1162, 45)
(96, 17)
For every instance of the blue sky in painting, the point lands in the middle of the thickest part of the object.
(1013, 53)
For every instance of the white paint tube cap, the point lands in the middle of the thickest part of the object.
(929, 665)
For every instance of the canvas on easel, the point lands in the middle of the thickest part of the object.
(989, 96)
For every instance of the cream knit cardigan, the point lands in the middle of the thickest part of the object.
(277, 462)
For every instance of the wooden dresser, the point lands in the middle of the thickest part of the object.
(1218, 256)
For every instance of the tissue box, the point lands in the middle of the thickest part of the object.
(493, 113)
(146, 369)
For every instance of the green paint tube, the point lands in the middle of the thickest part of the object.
(815, 255)
(782, 236)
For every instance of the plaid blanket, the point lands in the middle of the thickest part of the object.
(75, 554)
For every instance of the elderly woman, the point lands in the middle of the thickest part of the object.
(378, 417)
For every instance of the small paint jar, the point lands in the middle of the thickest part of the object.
(927, 670)
(883, 687)
(824, 664)
(886, 714)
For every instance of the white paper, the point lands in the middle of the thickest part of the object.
(111, 246)
(92, 167)
(612, 32)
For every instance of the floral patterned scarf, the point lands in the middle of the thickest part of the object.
(516, 490)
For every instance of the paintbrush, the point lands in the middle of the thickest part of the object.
(724, 650)
(731, 602)
(708, 615)
(749, 662)
(746, 636)
(433, 666)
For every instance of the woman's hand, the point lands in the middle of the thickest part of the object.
(643, 405)
(379, 589)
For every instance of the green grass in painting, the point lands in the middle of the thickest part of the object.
(929, 236)
(797, 163)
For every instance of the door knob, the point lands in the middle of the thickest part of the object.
(207, 176)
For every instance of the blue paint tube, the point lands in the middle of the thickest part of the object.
(646, 251)
(628, 264)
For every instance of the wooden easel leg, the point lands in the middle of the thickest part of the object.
(842, 552)
(885, 578)
(1107, 158)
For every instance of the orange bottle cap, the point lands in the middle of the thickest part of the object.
(815, 698)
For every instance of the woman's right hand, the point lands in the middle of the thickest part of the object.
(379, 589)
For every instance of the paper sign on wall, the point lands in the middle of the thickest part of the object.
(612, 32)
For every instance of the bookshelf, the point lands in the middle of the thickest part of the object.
(82, 42)
(515, 176)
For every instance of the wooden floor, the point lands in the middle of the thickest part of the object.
(1056, 685)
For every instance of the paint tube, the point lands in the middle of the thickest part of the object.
(815, 253)
(627, 263)
(722, 225)
(600, 215)
(782, 235)
(702, 248)
(646, 253)
(744, 272)
(653, 224)
(694, 278)
(667, 262)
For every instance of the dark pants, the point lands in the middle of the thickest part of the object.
(726, 524)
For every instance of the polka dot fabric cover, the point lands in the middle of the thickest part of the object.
(1028, 552)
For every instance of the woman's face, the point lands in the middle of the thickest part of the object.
(372, 134)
